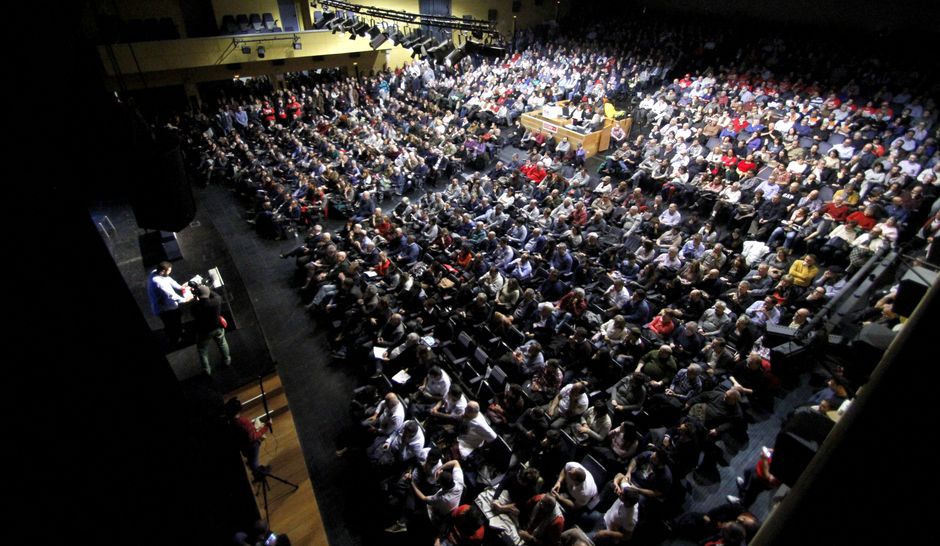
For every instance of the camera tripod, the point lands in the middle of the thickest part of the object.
(260, 477)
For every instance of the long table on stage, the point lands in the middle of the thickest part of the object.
(593, 143)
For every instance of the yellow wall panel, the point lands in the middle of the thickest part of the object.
(196, 52)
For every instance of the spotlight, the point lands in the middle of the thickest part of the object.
(298, 46)
(397, 37)
(378, 38)
(361, 28)
(422, 46)
(427, 46)
(486, 50)
(246, 50)
(260, 52)
(411, 40)
(441, 52)
(325, 18)
(454, 57)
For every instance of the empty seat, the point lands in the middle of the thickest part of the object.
(229, 26)
(254, 20)
(243, 24)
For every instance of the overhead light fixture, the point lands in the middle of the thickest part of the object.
(298, 45)
(454, 57)
(485, 50)
(421, 47)
(246, 50)
(361, 28)
(260, 52)
(441, 52)
(378, 38)
(411, 40)
(427, 46)
(397, 37)
(325, 18)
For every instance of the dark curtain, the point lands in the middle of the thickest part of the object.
(435, 7)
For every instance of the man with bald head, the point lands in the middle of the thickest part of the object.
(476, 431)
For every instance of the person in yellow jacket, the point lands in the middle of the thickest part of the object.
(611, 111)
(804, 271)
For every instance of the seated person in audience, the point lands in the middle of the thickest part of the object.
(621, 518)
(385, 420)
(525, 360)
(593, 426)
(450, 409)
(659, 365)
(473, 432)
(575, 487)
(568, 405)
(543, 521)
(752, 379)
(401, 448)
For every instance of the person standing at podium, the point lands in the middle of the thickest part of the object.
(207, 312)
(165, 296)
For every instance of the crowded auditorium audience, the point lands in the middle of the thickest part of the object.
(552, 347)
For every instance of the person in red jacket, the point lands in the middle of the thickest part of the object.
(836, 210)
(267, 113)
(467, 527)
(247, 436)
(865, 219)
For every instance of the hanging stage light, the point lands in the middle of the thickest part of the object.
(360, 29)
(325, 18)
(441, 52)
(455, 56)
(376, 37)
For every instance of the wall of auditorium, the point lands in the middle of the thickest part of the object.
(365, 62)
(147, 57)
(235, 7)
(530, 13)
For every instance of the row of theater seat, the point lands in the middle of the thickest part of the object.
(250, 24)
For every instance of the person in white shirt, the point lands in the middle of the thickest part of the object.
(621, 519)
(575, 487)
(478, 431)
(166, 295)
(402, 446)
(568, 405)
(671, 216)
(447, 498)
(389, 416)
(452, 407)
(435, 385)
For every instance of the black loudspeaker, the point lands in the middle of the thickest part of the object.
(777, 333)
(492, 15)
(792, 454)
(161, 196)
(158, 246)
(516, 6)
(913, 287)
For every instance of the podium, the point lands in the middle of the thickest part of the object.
(593, 143)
